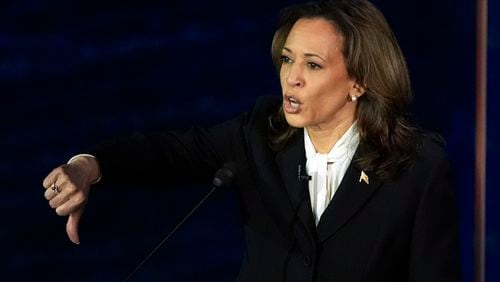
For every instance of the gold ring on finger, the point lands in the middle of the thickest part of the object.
(56, 189)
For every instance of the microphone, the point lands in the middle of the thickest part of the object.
(225, 175)
(302, 176)
(223, 178)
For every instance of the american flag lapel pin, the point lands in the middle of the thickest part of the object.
(363, 177)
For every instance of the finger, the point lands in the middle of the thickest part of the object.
(72, 225)
(53, 191)
(51, 178)
(71, 205)
(57, 199)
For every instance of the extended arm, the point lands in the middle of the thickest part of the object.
(189, 156)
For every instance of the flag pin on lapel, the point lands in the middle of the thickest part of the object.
(363, 177)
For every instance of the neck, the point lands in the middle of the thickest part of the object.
(324, 138)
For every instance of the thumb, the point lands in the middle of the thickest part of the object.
(72, 226)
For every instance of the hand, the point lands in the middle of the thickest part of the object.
(67, 188)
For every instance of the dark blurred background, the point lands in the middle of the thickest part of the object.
(74, 73)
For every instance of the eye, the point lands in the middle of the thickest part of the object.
(285, 59)
(313, 66)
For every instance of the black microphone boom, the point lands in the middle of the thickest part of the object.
(223, 178)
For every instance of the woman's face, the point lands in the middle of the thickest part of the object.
(314, 78)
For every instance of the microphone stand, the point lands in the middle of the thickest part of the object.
(223, 177)
(169, 234)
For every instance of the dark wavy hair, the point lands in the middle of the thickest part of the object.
(373, 60)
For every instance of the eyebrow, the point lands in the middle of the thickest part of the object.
(306, 54)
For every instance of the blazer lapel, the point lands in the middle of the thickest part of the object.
(291, 163)
(353, 192)
(272, 189)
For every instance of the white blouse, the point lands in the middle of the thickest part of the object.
(327, 170)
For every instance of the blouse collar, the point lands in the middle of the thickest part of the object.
(346, 145)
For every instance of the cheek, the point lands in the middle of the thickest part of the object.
(325, 94)
(333, 90)
(283, 76)
(327, 100)
(320, 106)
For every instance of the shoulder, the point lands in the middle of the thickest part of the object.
(431, 148)
(431, 159)
(428, 171)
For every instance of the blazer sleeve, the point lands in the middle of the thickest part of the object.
(189, 156)
(435, 245)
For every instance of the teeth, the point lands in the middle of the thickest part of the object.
(294, 104)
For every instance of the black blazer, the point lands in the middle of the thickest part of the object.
(399, 230)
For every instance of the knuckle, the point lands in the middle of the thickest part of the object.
(58, 172)
(71, 185)
(64, 168)
(64, 178)
(69, 188)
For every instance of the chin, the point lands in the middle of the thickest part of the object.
(295, 121)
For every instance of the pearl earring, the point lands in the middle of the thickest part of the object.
(354, 98)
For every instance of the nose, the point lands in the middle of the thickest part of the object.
(295, 77)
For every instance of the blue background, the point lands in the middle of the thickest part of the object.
(74, 73)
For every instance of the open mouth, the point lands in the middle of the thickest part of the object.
(291, 105)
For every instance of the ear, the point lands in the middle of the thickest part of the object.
(358, 90)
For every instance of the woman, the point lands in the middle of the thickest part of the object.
(337, 185)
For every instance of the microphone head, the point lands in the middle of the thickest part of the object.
(225, 175)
